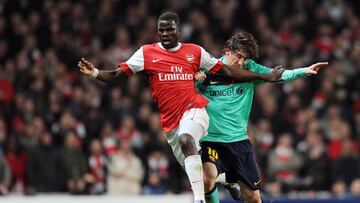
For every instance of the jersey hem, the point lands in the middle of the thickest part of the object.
(223, 141)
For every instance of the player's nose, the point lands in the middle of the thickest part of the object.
(241, 62)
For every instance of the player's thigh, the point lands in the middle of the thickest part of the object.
(194, 122)
(211, 158)
(242, 165)
(173, 140)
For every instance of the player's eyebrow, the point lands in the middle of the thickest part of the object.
(240, 54)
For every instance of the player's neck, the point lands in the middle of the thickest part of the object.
(175, 48)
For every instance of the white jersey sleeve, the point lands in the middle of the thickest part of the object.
(208, 62)
(134, 64)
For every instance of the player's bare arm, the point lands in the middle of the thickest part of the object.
(240, 74)
(108, 76)
(314, 68)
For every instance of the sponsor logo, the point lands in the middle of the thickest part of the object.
(175, 76)
(176, 73)
(213, 82)
(156, 60)
(257, 182)
(240, 91)
(190, 57)
(228, 92)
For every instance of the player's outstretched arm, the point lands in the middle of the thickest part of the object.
(287, 75)
(240, 74)
(108, 76)
(297, 73)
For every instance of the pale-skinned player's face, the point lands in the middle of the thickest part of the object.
(236, 58)
(168, 33)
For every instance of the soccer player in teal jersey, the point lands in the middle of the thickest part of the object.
(226, 148)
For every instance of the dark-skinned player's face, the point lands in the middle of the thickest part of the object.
(168, 33)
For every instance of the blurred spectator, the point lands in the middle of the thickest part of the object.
(74, 164)
(316, 163)
(3, 133)
(97, 163)
(109, 138)
(158, 169)
(264, 139)
(17, 159)
(346, 166)
(355, 188)
(5, 175)
(339, 189)
(129, 132)
(34, 129)
(67, 122)
(274, 189)
(125, 171)
(6, 90)
(154, 186)
(284, 162)
(45, 167)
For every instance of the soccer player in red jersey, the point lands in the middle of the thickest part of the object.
(171, 66)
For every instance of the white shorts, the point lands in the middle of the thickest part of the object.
(194, 122)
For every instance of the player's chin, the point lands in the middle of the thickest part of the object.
(167, 44)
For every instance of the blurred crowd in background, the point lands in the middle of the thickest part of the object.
(63, 132)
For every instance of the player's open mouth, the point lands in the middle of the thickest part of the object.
(166, 41)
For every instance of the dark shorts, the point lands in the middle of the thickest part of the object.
(235, 159)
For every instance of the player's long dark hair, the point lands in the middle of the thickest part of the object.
(243, 41)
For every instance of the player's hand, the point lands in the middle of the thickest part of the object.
(314, 68)
(275, 75)
(86, 67)
(199, 76)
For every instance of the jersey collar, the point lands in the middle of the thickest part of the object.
(172, 49)
(222, 59)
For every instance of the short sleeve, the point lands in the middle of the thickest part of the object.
(208, 62)
(134, 64)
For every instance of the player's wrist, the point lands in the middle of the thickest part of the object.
(265, 77)
(95, 73)
(309, 71)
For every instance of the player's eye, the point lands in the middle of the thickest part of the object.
(162, 30)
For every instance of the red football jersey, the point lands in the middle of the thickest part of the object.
(171, 74)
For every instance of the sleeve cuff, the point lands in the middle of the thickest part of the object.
(216, 67)
(126, 69)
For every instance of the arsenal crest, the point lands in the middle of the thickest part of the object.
(190, 57)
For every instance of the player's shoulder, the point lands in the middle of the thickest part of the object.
(249, 64)
(250, 61)
(191, 45)
(152, 45)
(193, 48)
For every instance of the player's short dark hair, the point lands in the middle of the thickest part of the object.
(168, 15)
(243, 41)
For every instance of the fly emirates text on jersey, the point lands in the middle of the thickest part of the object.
(177, 74)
